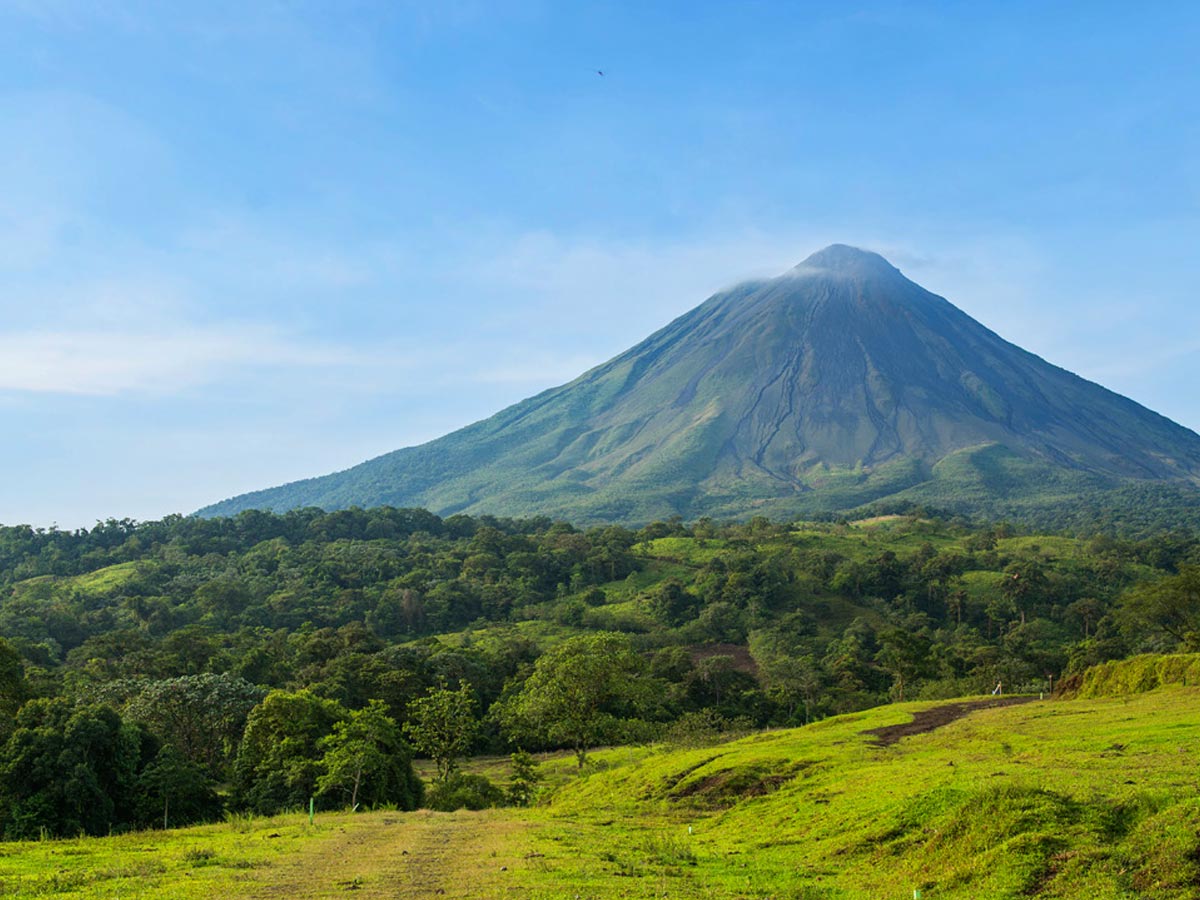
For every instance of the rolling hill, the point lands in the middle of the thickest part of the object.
(836, 385)
(1076, 800)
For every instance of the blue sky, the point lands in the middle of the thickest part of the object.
(244, 243)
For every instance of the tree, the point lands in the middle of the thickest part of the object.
(580, 693)
(13, 688)
(175, 790)
(365, 760)
(671, 603)
(791, 674)
(522, 784)
(715, 680)
(279, 760)
(1170, 606)
(1088, 611)
(856, 681)
(1023, 584)
(68, 769)
(442, 725)
(903, 653)
(202, 716)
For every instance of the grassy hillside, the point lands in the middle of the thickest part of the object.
(1067, 799)
(1077, 799)
(1140, 673)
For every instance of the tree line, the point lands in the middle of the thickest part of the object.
(159, 673)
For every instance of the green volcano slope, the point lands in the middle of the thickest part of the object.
(835, 385)
(1084, 799)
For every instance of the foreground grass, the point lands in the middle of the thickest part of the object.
(1081, 799)
(192, 862)
(376, 855)
(1077, 799)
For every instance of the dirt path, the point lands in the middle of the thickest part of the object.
(929, 719)
(400, 856)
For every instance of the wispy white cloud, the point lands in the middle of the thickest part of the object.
(606, 289)
(106, 362)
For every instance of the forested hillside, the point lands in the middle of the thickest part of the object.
(164, 670)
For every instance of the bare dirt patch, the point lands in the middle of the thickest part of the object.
(930, 719)
(401, 855)
(728, 787)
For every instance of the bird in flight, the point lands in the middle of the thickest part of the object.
(600, 72)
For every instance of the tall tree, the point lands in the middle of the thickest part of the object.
(202, 716)
(68, 769)
(580, 693)
(172, 791)
(279, 760)
(13, 687)
(1169, 606)
(442, 725)
(903, 652)
(365, 761)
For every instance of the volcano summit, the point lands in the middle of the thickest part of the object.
(835, 385)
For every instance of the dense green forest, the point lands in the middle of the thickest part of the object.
(160, 672)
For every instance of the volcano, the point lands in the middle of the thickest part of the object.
(836, 385)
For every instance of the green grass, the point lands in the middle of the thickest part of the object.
(1074, 799)
(105, 581)
(545, 635)
(196, 862)
(867, 538)
(624, 615)
(1141, 673)
(692, 551)
(652, 572)
(1080, 799)
(100, 583)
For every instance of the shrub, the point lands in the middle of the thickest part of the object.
(464, 791)
(705, 727)
(522, 787)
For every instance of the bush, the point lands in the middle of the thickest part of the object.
(705, 727)
(523, 785)
(463, 791)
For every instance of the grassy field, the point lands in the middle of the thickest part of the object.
(1080, 799)
(376, 855)
(1086, 798)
